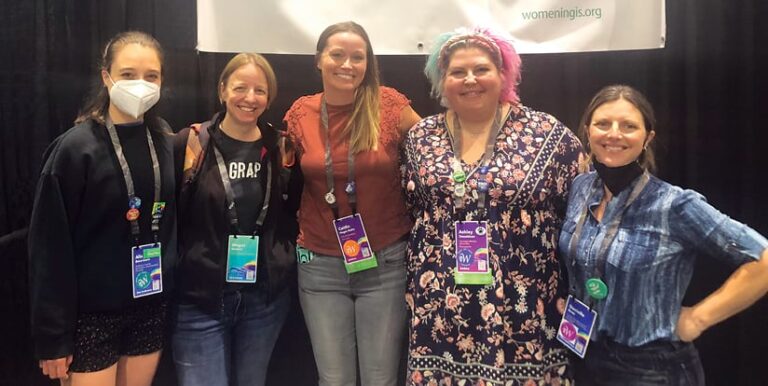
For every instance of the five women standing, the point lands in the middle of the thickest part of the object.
(486, 184)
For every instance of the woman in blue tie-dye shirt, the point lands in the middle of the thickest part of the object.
(630, 240)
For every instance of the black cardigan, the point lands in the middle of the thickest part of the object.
(204, 225)
(79, 240)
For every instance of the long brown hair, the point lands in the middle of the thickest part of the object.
(613, 93)
(363, 126)
(97, 104)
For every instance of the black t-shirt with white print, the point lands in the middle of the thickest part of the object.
(246, 175)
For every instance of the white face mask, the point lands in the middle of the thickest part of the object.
(134, 97)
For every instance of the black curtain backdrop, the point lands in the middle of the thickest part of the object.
(707, 86)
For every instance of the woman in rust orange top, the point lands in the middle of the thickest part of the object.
(353, 220)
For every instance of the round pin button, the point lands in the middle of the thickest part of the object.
(482, 186)
(596, 288)
(350, 188)
(330, 198)
(484, 170)
(460, 190)
(459, 176)
(132, 214)
(134, 203)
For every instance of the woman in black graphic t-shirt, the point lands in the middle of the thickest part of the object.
(236, 235)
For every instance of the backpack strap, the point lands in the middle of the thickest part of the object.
(194, 153)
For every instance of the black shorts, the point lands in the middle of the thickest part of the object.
(101, 338)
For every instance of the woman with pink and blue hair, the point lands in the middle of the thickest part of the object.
(487, 182)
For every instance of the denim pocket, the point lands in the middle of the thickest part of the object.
(634, 373)
(635, 250)
(394, 254)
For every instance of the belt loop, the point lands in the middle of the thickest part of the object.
(678, 345)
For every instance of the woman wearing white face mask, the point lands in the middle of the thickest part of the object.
(102, 238)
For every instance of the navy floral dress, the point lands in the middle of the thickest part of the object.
(503, 333)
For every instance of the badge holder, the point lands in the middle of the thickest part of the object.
(472, 259)
(304, 255)
(576, 326)
(242, 254)
(353, 241)
(146, 270)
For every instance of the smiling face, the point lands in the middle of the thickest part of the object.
(617, 133)
(472, 82)
(245, 95)
(343, 63)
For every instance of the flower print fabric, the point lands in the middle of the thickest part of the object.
(503, 333)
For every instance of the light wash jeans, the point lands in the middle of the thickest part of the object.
(231, 348)
(356, 318)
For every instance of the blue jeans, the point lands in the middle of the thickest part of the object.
(231, 347)
(356, 318)
(655, 363)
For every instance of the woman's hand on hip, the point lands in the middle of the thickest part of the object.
(688, 326)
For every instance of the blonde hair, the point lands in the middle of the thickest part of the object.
(364, 122)
(257, 60)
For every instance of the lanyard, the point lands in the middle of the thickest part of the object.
(231, 210)
(612, 229)
(133, 201)
(458, 173)
(350, 188)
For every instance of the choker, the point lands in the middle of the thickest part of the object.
(619, 178)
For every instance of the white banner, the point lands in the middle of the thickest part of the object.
(408, 27)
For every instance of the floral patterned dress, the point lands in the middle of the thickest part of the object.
(502, 333)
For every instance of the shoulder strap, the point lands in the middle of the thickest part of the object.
(194, 153)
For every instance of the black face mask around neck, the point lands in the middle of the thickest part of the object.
(619, 178)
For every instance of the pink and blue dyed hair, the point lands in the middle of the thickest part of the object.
(497, 44)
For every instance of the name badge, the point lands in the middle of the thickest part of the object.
(353, 241)
(472, 262)
(146, 270)
(576, 326)
(242, 254)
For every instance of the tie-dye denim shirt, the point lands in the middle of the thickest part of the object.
(650, 260)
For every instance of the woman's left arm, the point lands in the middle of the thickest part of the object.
(408, 118)
(744, 287)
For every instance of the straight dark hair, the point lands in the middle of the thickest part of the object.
(613, 93)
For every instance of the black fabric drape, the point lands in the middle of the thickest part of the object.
(706, 86)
